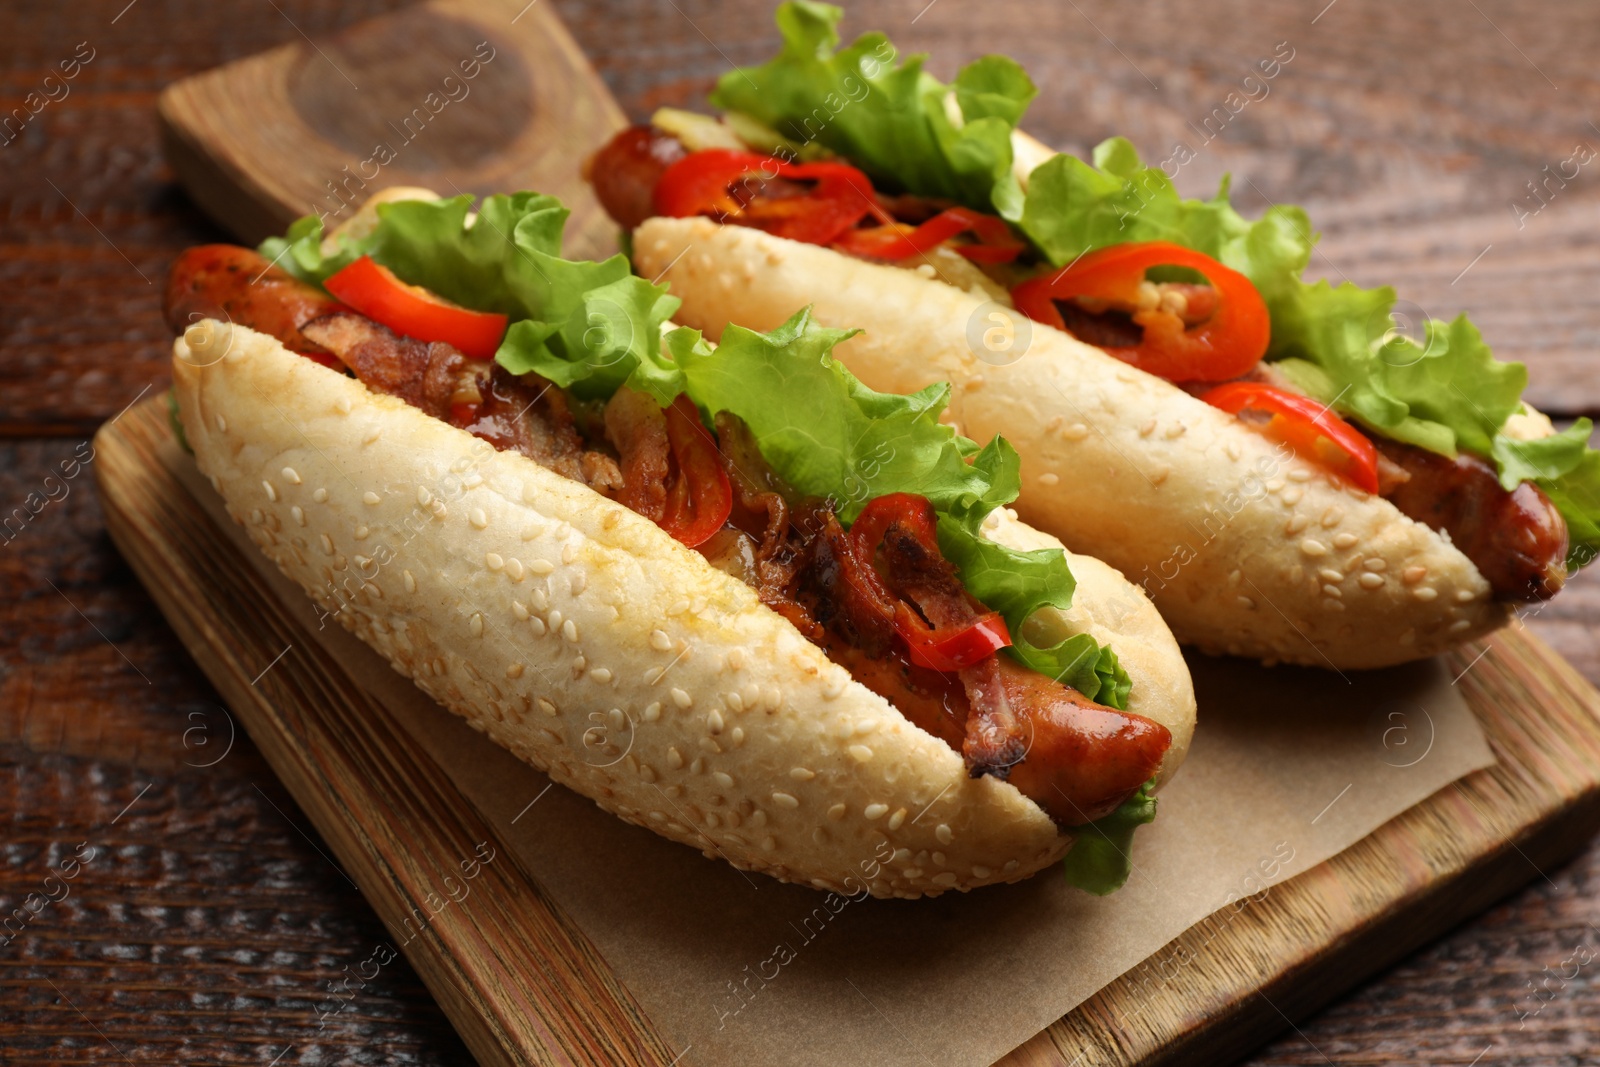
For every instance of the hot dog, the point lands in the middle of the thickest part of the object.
(1288, 477)
(632, 581)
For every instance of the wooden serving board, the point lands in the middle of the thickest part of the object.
(523, 984)
(459, 96)
(298, 130)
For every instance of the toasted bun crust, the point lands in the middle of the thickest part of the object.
(583, 638)
(1245, 549)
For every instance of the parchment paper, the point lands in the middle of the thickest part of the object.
(1289, 767)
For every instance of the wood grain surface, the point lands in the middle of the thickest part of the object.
(218, 927)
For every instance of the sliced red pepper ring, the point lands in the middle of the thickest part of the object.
(702, 184)
(952, 647)
(1306, 425)
(700, 498)
(372, 289)
(1225, 346)
(896, 241)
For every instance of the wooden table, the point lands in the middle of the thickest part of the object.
(209, 924)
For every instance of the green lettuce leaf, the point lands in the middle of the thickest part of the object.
(887, 117)
(1568, 470)
(582, 324)
(1098, 860)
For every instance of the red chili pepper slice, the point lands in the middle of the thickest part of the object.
(951, 647)
(896, 241)
(703, 184)
(1307, 425)
(1225, 346)
(700, 498)
(372, 289)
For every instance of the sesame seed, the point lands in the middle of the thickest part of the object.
(836, 812)
(736, 658)
(1330, 604)
(554, 737)
(734, 700)
(947, 878)
(1232, 449)
(681, 698)
(698, 765)
(1291, 496)
(424, 498)
(369, 497)
(569, 552)
(362, 561)
(875, 811)
(785, 800)
(1049, 478)
(1425, 593)
(519, 610)
(537, 625)
(1052, 422)
(1345, 540)
(1333, 591)
(895, 820)
(1332, 517)
(1174, 431)
(222, 424)
(942, 832)
(547, 707)
(361, 533)
(674, 758)
(1465, 596)
(291, 476)
(647, 772)
(772, 698)
(579, 583)
(802, 774)
(342, 405)
(541, 566)
(493, 561)
(736, 735)
(514, 671)
(1459, 625)
(1160, 475)
(472, 480)
(723, 779)
(320, 496)
(272, 494)
(1312, 547)
(714, 721)
(860, 753)
(569, 630)
(1247, 604)
(555, 617)
(1295, 524)
(327, 544)
(652, 711)
(678, 607)
(439, 510)
(298, 514)
(478, 518)
(410, 580)
(1300, 474)
(1413, 575)
(981, 872)
(601, 675)
(1328, 574)
(475, 625)
(1371, 580)
(1075, 431)
(660, 641)
(1148, 428)
(514, 569)
(769, 844)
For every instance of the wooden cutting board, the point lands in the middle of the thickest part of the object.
(298, 130)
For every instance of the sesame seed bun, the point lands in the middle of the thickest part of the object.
(583, 638)
(1245, 548)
